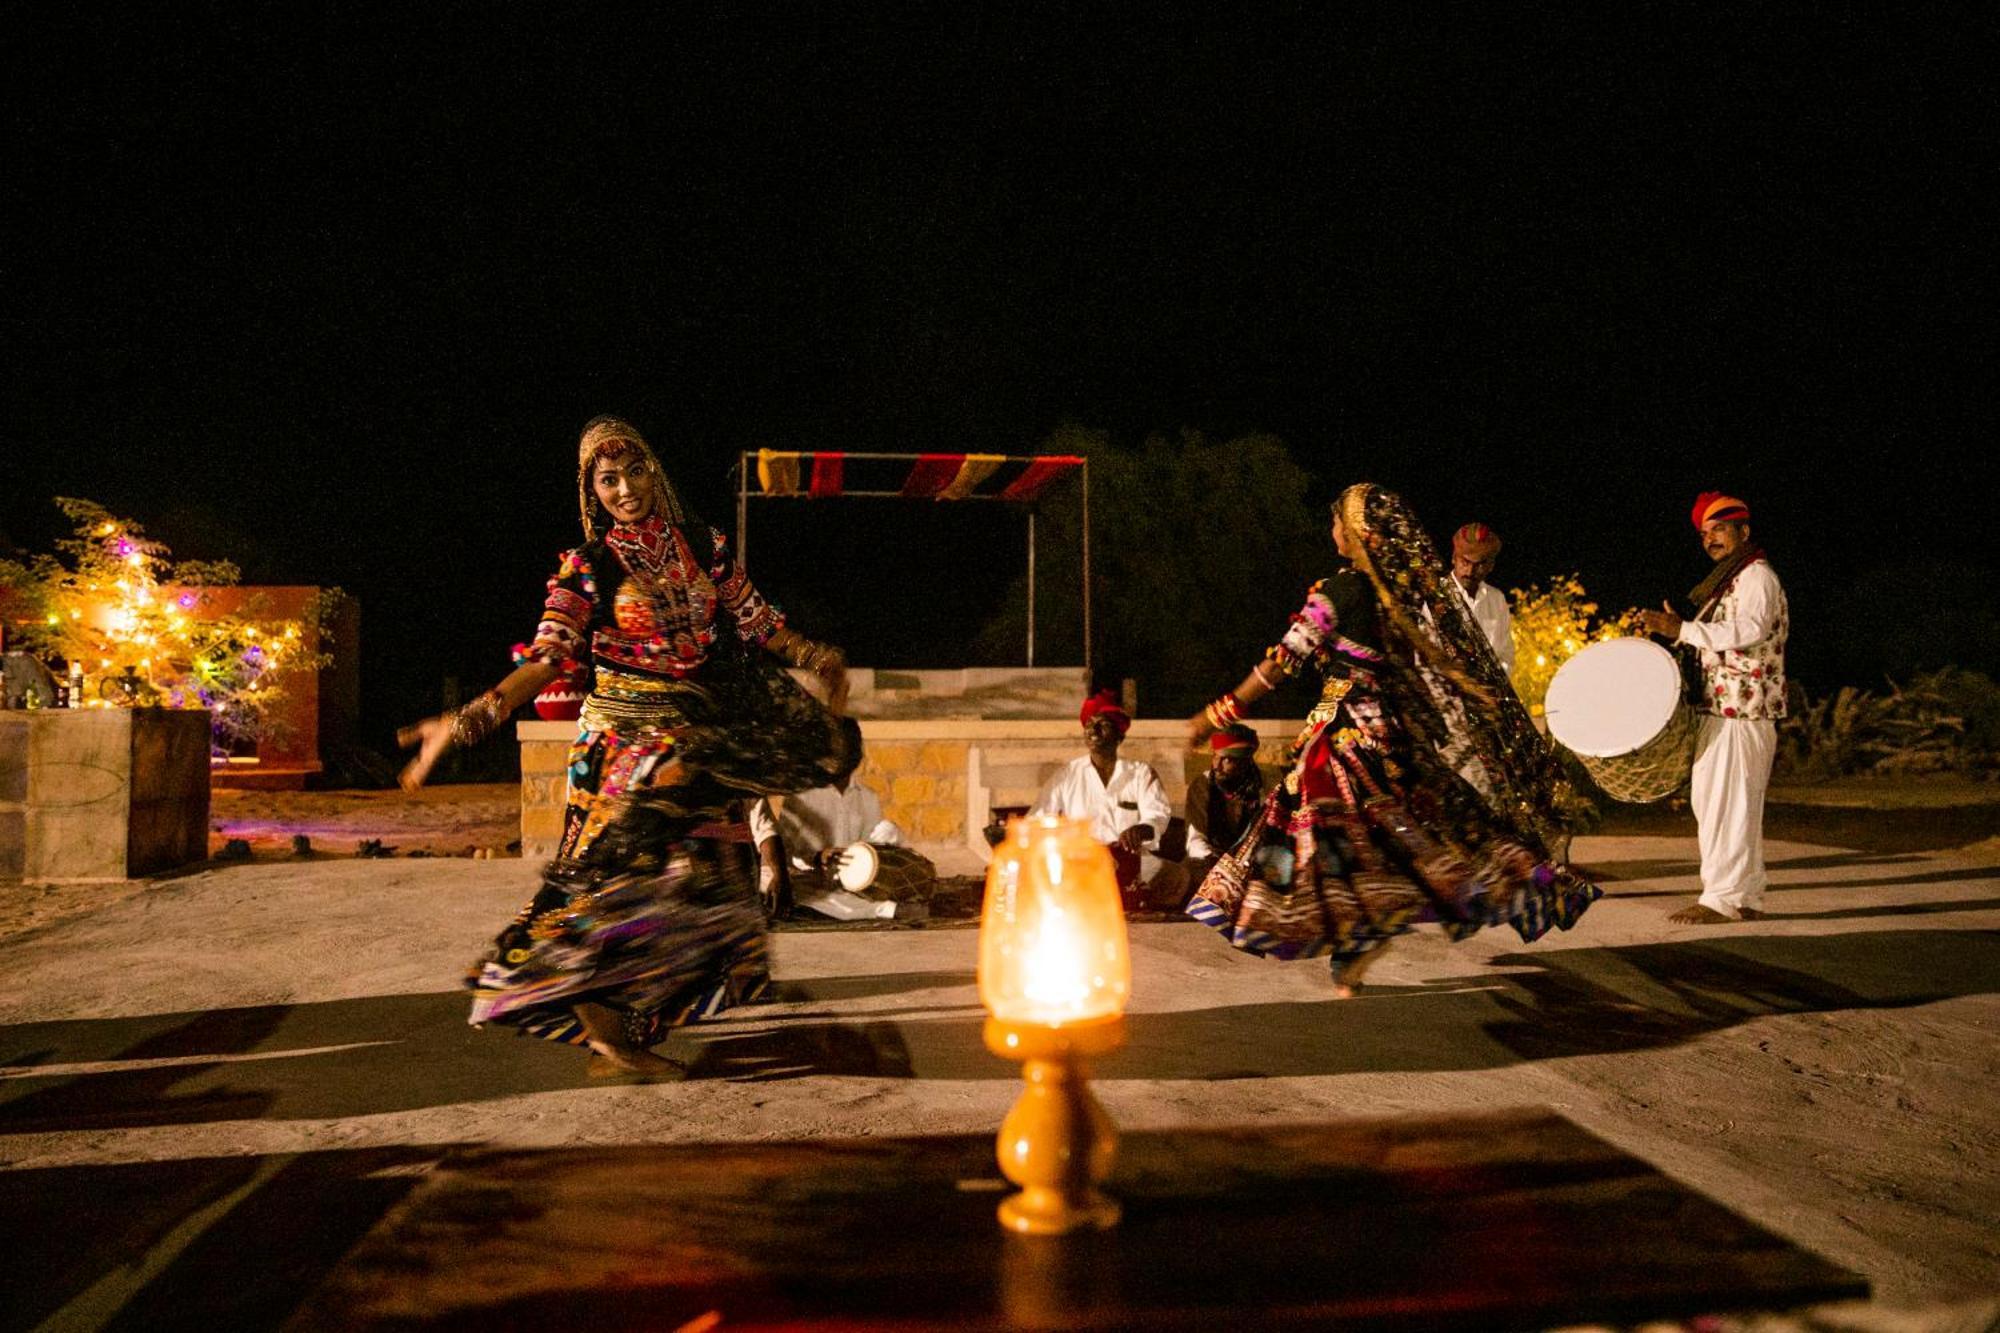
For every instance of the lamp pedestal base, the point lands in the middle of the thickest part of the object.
(1057, 1143)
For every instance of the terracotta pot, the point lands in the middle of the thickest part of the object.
(561, 701)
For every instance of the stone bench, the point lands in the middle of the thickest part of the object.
(939, 778)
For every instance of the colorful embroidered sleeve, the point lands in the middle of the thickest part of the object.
(756, 619)
(564, 634)
(1312, 627)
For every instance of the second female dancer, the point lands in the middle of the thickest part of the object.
(1374, 827)
(648, 917)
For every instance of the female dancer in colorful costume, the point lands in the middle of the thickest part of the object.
(647, 917)
(1374, 826)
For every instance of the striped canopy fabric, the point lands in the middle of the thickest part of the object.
(824, 476)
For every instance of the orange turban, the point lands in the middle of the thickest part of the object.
(1714, 506)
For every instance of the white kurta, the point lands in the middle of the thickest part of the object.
(1134, 796)
(824, 817)
(1742, 649)
(1494, 618)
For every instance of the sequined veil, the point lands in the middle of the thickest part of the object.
(1444, 680)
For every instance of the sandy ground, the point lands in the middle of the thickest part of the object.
(436, 821)
(212, 1085)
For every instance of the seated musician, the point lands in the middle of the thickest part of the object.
(1222, 802)
(1125, 804)
(799, 849)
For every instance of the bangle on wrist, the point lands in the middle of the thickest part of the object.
(477, 720)
(1224, 710)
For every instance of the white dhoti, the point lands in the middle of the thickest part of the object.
(1732, 771)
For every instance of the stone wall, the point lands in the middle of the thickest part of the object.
(938, 778)
(102, 793)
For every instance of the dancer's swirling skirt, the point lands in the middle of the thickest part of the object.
(1350, 852)
(660, 926)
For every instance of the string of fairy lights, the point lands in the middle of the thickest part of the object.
(137, 628)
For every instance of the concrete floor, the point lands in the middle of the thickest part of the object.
(211, 1088)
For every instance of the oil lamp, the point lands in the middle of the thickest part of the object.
(1055, 973)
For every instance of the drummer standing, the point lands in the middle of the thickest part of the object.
(1738, 632)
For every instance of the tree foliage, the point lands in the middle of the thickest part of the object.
(1199, 552)
(145, 629)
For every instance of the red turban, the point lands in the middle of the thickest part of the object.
(1106, 702)
(1475, 541)
(1233, 739)
(1714, 506)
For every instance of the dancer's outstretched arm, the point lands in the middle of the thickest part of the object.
(461, 728)
(822, 659)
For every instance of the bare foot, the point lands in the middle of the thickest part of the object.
(1696, 915)
(1349, 979)
(629, 1063)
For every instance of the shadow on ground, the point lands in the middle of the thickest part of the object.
(1532, 1005)
(280, 1223)
(1859, 828)
(401, 1053)
(310, 1061)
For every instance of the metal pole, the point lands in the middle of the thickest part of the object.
(742, 509)
(1031, 585)
(1086, 562)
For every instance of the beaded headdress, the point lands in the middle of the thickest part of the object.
(612, 437)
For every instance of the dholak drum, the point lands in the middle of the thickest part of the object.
(857, 866)
(1617, 707)
(887, 874)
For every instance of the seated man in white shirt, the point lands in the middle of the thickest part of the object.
(1125, 804)
(1474, 549)
(803, 846)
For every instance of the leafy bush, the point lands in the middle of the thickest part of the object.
(1947, 720)
(1551, 625)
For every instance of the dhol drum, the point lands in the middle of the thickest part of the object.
(1617, 707)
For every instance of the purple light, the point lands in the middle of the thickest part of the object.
(124, 548)
(186, 600)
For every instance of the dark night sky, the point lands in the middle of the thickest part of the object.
(331, 293)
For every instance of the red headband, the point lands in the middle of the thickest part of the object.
(1233, 740)
(1714, 506)
(1106, 702)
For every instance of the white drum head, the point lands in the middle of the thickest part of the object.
(858, 865)
(1613, 697)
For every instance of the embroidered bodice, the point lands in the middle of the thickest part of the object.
(671, 592)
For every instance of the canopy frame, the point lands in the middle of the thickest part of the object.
(746, 470)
